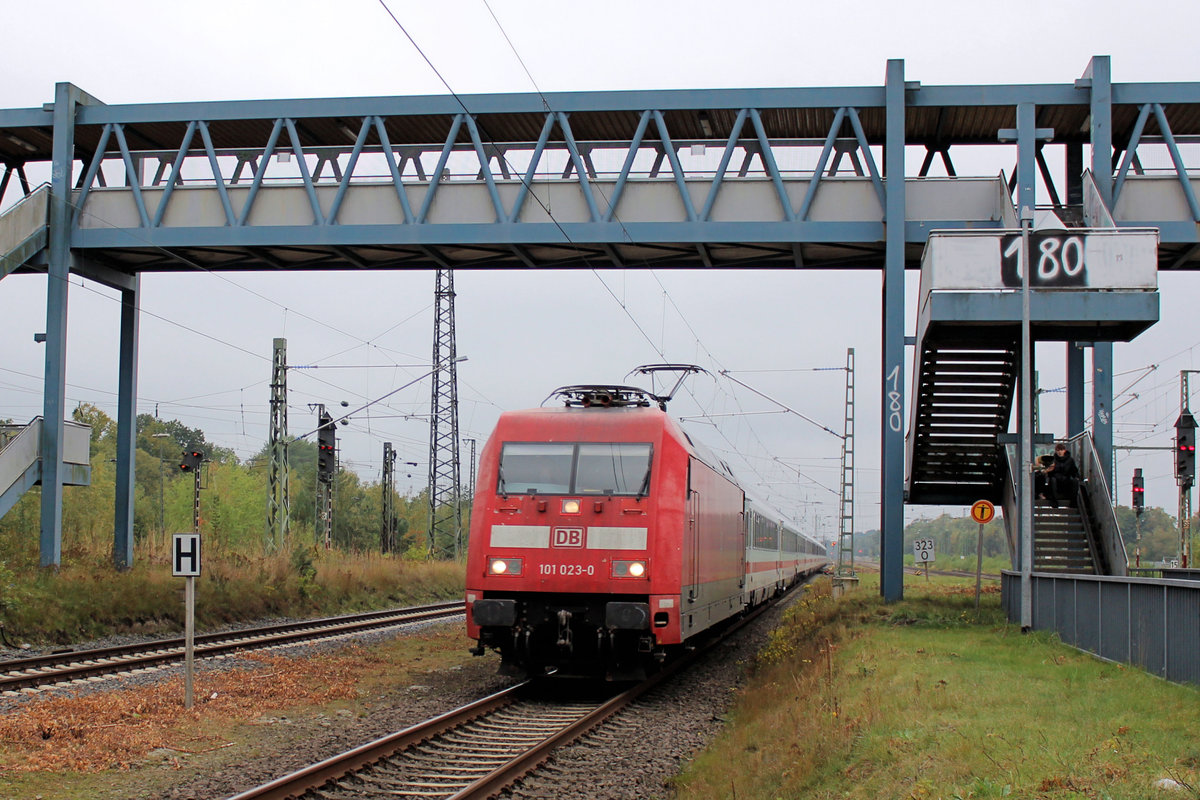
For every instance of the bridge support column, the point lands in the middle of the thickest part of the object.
(1026, 203)
(126, 428)
(1099, 71)
(1102, 398)
(891, 490)
(54, 400)
(1074, 388)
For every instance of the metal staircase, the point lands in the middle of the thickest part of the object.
(968, 340)
(962, 403)
(1078, 537)
(969, 319)
(1061, 542)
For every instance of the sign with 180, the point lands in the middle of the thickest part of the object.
(1058, 260)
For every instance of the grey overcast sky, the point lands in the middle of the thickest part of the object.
(206, 339)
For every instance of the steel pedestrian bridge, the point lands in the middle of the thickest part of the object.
(787, 178)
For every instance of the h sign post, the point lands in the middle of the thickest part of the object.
(185, 555)
(185, 563)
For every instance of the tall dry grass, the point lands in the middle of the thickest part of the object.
(86, 598)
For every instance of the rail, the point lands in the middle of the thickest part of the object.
(27, 673)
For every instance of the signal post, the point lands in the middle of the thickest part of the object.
(185, 563)
(326, 470)
(1139, 505)
(1185, 468)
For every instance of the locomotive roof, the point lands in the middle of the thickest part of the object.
(643, 419)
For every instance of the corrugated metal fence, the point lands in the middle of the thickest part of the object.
(1154, 624)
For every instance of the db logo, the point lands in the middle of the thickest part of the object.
(567, 537)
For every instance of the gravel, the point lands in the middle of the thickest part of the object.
(635, 755)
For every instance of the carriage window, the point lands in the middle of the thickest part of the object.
(766, 534)
(536, 468)
(613, 469)
(585, 468)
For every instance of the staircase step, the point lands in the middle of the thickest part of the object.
(1072, 527)
(1060, 543)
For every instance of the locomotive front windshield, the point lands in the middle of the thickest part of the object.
(584, 468)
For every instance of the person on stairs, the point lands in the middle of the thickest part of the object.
(1061, 477)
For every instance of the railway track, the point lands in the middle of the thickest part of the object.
(30, 673)
(873, 566)
(471, 753)
(952, 573)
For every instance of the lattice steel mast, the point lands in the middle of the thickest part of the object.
(445, 493)
(470, 470)
(278, 498)
(845, 547)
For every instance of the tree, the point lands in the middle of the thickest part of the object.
(179, 438)
(1159, 533)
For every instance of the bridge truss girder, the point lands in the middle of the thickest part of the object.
(592, 154)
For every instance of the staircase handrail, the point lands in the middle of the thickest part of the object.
(1084, 505)
(40, 189)
(1009, 502)
(20, 451)
(8, 432)
(23, 228)
(1103, 525)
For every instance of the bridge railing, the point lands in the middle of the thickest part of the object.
(1153, 624)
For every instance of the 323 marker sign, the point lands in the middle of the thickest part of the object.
(1058, 260)
(923, 551)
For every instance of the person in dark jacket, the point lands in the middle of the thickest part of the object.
(1062, 477)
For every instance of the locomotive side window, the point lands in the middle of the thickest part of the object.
(618, 468)
(613, 469)
(540, 468)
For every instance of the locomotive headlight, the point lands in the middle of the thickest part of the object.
(504, 566)
(570, 506)
(628, 569)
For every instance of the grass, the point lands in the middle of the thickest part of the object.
(87, 598)
(992, 565)
(927, 698)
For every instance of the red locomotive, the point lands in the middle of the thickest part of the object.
(602, 537)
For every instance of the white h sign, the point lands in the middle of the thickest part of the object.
(185, 555)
